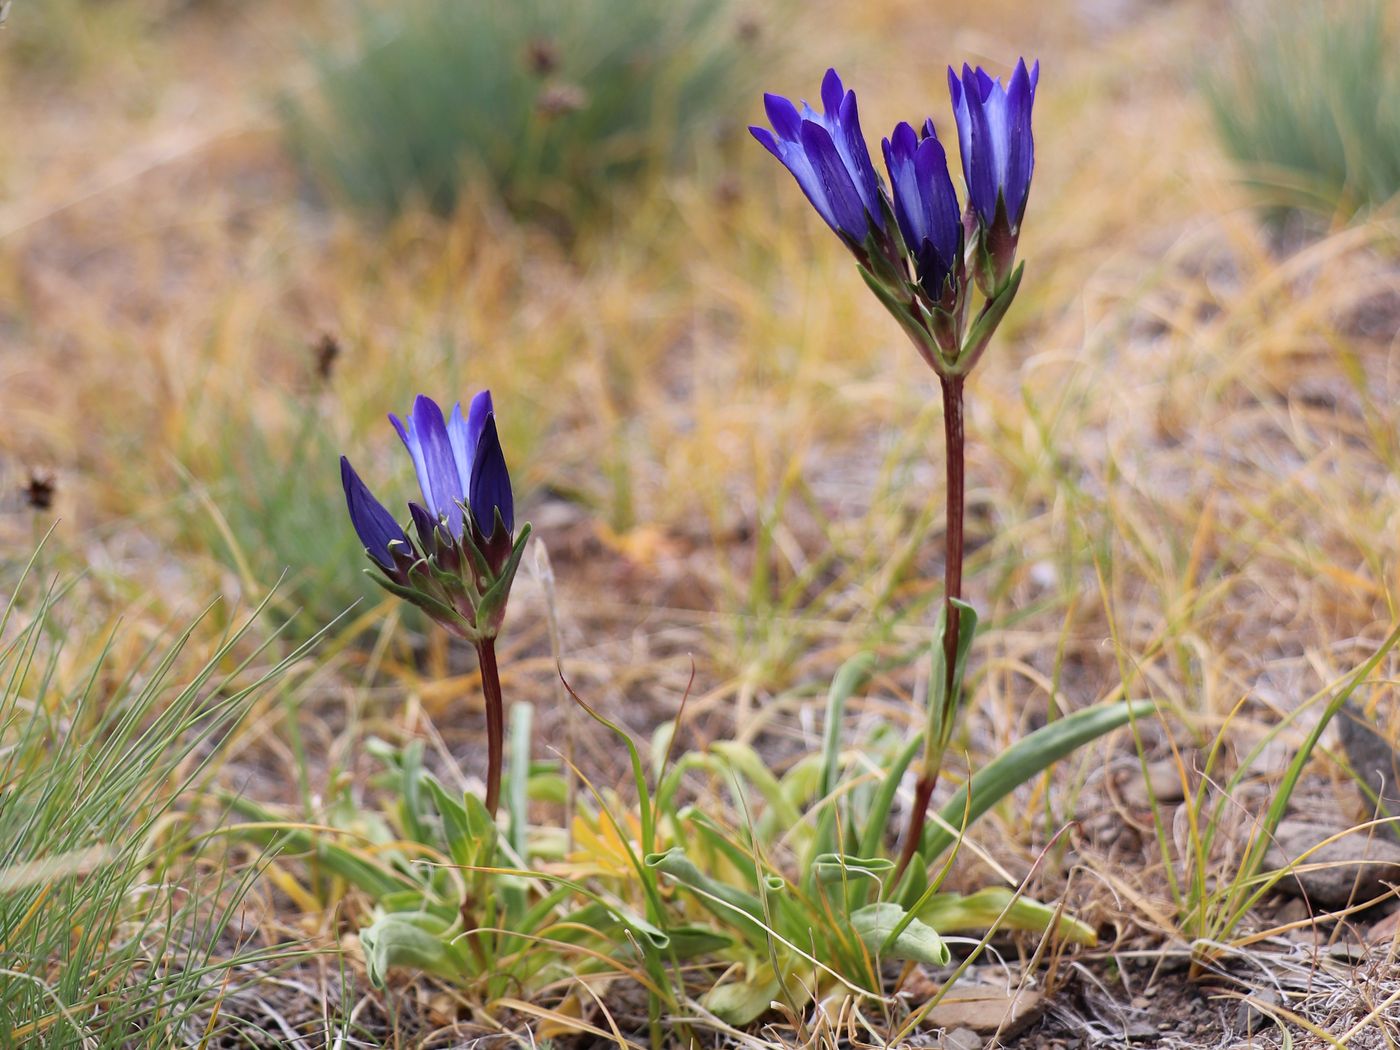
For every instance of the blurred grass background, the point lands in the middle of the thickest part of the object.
(1183, 471)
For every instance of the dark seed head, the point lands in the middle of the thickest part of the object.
(326, 351)
(542, 56)
(39, 489)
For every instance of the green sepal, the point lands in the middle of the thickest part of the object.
(988, 319)
(434, 607)
(493, 602)
(913, 326)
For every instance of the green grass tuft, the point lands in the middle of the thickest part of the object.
(1308, 104)
(548, 105)
(112, 931)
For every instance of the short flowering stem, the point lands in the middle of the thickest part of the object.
(952, 590)
(495, 721)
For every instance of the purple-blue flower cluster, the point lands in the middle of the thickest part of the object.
(826, 153)
(914, 243)
(466, 555)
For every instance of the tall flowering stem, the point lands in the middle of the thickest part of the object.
(460, 567)
(956, 460)
(495, 721)
(926, 267)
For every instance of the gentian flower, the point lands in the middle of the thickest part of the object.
(926, 208)
(827, 156)
(462, 566)
(459, 463)
(994, 135)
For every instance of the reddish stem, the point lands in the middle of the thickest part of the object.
(495, 721)
(953, 559)
(952, 588)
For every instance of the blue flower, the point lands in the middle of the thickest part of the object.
(926, 207)
(994, 135)
(828, 157)
(459, 463)
(375, 526)
(461, 569)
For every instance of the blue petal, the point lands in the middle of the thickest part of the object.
(942, 218)
(408, 434)
(766, 139)
(481, 410)
(850, 143)
(462, 446)
(431, 431)
(847, 209)
(782, 114)
(1020, 154)
(963, 119)
(980, 163)
(425, 524)
(490, 490)
(374, 525)
(908, 206)
(833, 94)
(795, 159)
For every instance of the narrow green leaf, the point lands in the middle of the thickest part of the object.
(951, 912)
(1022, 760)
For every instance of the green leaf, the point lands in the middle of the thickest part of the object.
(692, 939)
(853, 675)
(838, 867)
(731, 906)
(460, 846)
(744, 760)
(943, 704)
(951, 912)
(743, 1002)
(916, 942)
(416, 941)
(374, 879)
(518, 776)
(1023, 760)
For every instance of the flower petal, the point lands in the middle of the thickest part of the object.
(490, 488)
(431, 431)
(833, 94)
(766, 140)
(481, 410)
(980, 165)
(409, 436)
(846, 207)
(462, 446)
(1020, 149)
(782, 114)
(850, 143)
(964, 122)
(374, 525)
